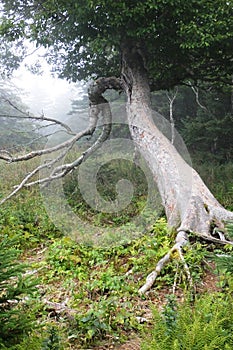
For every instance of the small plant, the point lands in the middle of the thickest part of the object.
(224, 263)
(52, 342)
(170, 313)
(15, 318)
(104, 318)
(205, 324)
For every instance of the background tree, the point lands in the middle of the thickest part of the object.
(140, 47)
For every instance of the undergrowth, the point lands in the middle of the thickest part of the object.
(207, 323)
(98, 287)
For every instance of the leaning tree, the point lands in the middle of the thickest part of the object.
(136, 47)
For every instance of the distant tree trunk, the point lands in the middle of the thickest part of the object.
(188, 203)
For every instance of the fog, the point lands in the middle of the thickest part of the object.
(47, 94)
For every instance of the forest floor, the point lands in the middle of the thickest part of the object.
(208, 283)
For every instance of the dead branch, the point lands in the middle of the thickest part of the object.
(171, 99)
(41, 118)
(62, 170)
(88, 131)
(196, 93)
(99, 105)
(24, 182)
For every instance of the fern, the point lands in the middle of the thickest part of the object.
(225, 262)
(15, 318)
(206, 325)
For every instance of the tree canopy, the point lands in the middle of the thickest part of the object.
(178, 39)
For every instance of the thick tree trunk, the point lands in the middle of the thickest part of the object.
(188, 203)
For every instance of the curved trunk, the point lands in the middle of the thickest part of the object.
(188, 203)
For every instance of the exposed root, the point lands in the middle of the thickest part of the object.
(210, 238)
(181, 241)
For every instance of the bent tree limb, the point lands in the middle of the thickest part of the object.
(189, 205)
(98, 106)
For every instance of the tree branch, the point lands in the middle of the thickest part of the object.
(171, 99)
(98, 105)
(42, 118)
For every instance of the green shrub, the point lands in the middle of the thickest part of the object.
(224, 263)
(15, 318)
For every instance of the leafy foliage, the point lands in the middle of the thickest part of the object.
(98, 285)
(15, 319)
(207, 131)
(205, 325)
(189, 39)
(224, 262)
(107, 178)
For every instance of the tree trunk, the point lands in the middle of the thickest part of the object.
(188, 203)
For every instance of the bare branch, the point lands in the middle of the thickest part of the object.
(196, 93)
(171, 100)
(99, 105)
(64, 169)
(41, 118)
(88, 131)
(33, 173)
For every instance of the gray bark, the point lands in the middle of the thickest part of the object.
(188, 203)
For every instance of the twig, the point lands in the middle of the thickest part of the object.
(43, 118)
(196, 92)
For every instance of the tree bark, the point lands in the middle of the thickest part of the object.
(188, 203)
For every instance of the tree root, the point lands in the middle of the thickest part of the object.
(221, 240)
(180, 242)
